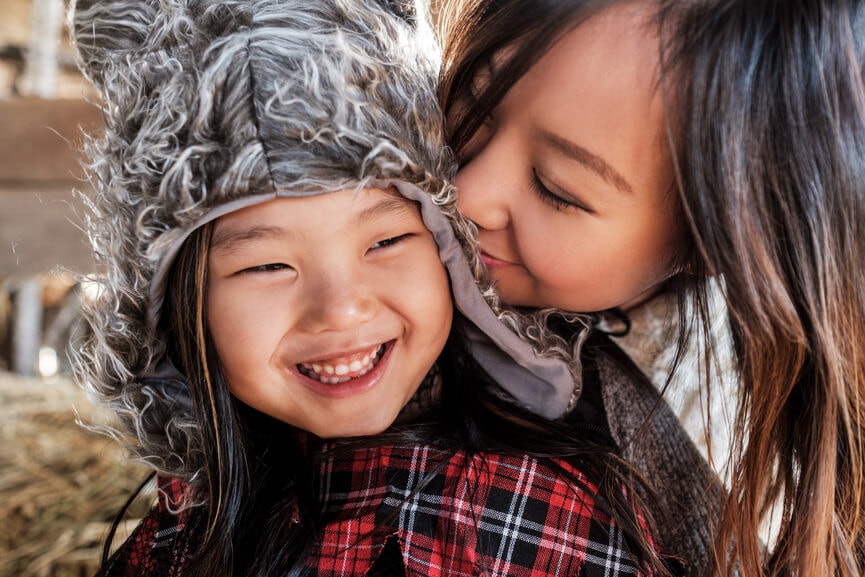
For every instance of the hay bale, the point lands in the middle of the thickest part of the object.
(60, 484)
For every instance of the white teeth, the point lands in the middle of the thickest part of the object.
(342, 372)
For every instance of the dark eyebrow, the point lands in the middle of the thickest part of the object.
(395, 204)
(227, 240)
(588, 159)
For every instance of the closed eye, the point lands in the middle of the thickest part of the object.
(553, 199)
(388, 242)
(264, 268)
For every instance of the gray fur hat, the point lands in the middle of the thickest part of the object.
(214, 105)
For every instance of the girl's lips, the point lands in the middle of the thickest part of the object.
(353, 386)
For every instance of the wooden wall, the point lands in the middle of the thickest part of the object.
(38, 170)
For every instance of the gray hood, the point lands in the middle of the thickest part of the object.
(211, 106)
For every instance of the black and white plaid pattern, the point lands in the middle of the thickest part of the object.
(464, 515)
(417, 510)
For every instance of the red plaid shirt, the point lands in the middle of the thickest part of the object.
(479, 515)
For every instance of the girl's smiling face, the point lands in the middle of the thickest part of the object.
(327, 312)
(570, 179)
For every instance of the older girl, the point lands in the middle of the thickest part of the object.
(612, 151)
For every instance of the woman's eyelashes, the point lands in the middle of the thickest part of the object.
(557, 201)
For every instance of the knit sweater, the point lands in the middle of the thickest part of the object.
(687, 494)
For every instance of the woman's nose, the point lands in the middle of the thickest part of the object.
(482, 185)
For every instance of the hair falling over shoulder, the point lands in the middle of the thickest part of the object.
(771, 141)
(765, 105)
(239, 480)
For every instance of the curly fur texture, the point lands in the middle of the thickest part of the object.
(206, 102)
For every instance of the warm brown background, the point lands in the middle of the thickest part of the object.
(38, 164)
(60, 484)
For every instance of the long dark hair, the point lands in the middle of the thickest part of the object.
(256, 467)
(766, 116)
(771, 161)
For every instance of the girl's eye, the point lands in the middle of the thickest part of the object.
(390, 241)
(554, 199)
(270, 267)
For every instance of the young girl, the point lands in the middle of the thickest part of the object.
(278, 248)
(612, 151)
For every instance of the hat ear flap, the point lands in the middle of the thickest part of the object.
(106, 31)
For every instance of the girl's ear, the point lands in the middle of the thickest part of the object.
(105, 32)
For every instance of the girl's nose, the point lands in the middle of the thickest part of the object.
(336, 301)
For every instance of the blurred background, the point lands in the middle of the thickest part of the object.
(44, 104)
(60, 483)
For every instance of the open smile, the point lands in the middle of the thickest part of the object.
(334, 371)
(346, 375)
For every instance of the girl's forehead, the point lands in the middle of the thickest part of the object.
(348, 206)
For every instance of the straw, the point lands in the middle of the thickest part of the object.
(60, 484)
